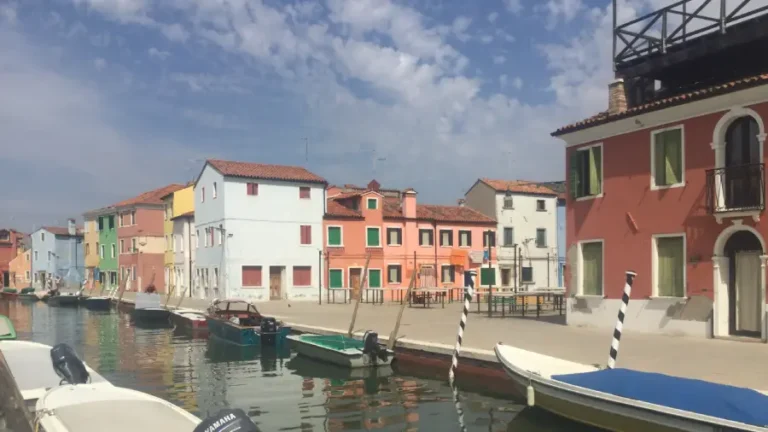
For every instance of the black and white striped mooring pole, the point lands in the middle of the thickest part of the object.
(620, 322)
(469, 286)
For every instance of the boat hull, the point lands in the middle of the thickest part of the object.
(190, 320)
(349, 358)
(156, 315)
(7, 331)
(29, 298)
(64, 300)
(246, 336)
(98, 303)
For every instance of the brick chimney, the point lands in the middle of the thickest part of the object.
(71, 227)
(462, 202)
(409, 203)
(617, 97)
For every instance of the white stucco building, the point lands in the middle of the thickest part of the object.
(526, 236)
(184, 248)
(259, 231)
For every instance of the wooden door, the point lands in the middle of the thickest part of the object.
(275, 283)
(355, 276)
(748, 310)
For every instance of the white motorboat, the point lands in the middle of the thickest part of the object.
(94, 408)
(189, 318)
(628, 400)
(343, 351)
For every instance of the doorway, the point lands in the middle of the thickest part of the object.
(276, 283)
(355, 278)
(743, 158)
(6, 279)
(743, 251)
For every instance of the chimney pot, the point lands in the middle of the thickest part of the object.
(71, 229)
(462, 202)
(617, 97)
(409, 203)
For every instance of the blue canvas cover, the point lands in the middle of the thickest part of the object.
(703, 397)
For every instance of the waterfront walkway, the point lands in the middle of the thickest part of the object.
(729, 362)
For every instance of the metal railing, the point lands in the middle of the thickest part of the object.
(655, 32)
(736, 188)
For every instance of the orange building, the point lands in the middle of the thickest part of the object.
(20, 268)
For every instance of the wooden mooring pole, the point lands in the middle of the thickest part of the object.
(359, 295)
(411, 284)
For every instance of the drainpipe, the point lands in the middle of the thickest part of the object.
(189, 251)
(434, 224)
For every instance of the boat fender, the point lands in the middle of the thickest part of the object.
(68, 366)
(529, 393)
(228, 420)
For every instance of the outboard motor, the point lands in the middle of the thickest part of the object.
(228, 420)
(372, 348)
(68, 366)
(268, 331)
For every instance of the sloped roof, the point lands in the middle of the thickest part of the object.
(190, 213)
(443, 213)
(153, 197)
(694, 95)
(62, 231)
(265, 171)
(336, 209)
(518, 186)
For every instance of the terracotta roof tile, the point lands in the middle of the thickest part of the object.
(336, 209)
(61, 231)
(443, 213)
(519, 186)
(703, 93)
(151, 197)
(190, 213)
(345, 195)
(265, 171)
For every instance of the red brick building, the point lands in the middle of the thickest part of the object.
(670, 182)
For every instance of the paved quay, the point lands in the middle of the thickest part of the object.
(729, 362)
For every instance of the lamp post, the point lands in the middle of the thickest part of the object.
(490, 235)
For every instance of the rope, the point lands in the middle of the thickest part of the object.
(620, 322)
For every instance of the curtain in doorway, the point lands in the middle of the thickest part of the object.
(671, 268)
(748, 299)
(592, 266)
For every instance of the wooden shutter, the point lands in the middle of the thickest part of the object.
(302, 276)
(374, 278)
(304, 192)
(251, 276)
(336, 278)
(575, 174)
(334, 236)
(595, 170)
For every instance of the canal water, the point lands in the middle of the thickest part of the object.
(280, 392)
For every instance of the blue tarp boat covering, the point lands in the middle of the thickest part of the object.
(717, 400)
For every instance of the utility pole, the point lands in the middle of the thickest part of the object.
(306, 149)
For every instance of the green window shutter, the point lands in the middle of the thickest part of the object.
(334, 236)
(487, 276)
(673, 143)
(592, 266)
(575, 173)
(336, 278)
(371, 204)
(595, 170)
(373, 237)
(374, 278)
(659, 156)
(670, 267)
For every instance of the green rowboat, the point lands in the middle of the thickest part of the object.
(7, 332)
(343, 351)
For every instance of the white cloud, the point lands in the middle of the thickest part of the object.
(555, 10)
(486, 39)
(99, 63)
(513, 6)
(499, 59)
(492, 16)
(154, 52)
(517, 83)
(8, 12)
(175, 32)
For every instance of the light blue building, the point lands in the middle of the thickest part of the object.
(559, 187)
(56, 251)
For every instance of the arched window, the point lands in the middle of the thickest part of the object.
(742, 146)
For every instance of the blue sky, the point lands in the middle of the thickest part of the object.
(104, 99)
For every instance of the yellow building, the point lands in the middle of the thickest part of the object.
(176, 203)
(91, 247)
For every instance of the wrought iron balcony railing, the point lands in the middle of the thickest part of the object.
(736, 189)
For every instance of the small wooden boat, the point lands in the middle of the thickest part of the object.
(308, 367)
(240, 323)
(97, 303)
(90, 408)
(189, 319)
(629, 400)
(9, 293)
(28, 294)
(68, 299)
(147, 309)
(7, 331)
(343, 351)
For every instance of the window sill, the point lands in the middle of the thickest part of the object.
(664, 187)
(589, 296)
(447, 246)
(668, 298)
(427, 246)
(373, 247)
(334, 246)
(589, 197)
(394, 245)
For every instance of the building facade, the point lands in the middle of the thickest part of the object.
(57, 252)
(106, 272)
(670, 182)
(10, 242)
(397, 236)
(258, 230)
(527, 230)
(91, 249)
(180, 211)
(168, 256)
(21, 269)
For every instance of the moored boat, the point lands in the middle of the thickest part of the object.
(28, 294)
(308, 367)
(629, 400)
(9, 293)
(239, 322)
(147, 310)
(189, 319)
(64, 299)
(342, 350)
(7, 331)
(97, 303)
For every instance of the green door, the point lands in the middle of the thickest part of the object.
(336, 279)
(374, 277)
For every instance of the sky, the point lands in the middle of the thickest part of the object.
(101, 100)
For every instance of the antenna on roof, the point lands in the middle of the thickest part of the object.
(306, 149)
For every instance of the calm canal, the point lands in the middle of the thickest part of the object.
(279, 391)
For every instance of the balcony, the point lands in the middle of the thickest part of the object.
(736, 191)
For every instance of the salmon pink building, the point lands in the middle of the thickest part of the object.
(399, 235)
(670, 182)
(10, 242)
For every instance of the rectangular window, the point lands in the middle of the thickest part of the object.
(372, 203)
(133, 218)
(465, 238)
(541, 237)
(134, 249)
(42, 236)
(394, 274)
(49, 255)
(506, 277)
(215, 276)
(448, 274)
(372, 237)
(120, 220)
(252, 189)
(592, 268)
(336, 278)
(670, 266)
(487, 276)
(215, 191)
(374, 278)
(111, 222)
(509, 237)
(210, 236)
(334, 236)
(101, 224)
(302, 276)
(101, 252)
(489, 239)
(251, 276)
(202, 194)
(394, 237)
(304, 192)
(586, 172)
(220, 233)
(122, 246)
(667, 157)
(306, 234)
(112, 247)
(541, 205)
(133, 273)
(446, 238)
(87, 248)
(526, 274)
(509, 203)
(425, 237)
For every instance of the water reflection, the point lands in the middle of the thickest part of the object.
(277, 389)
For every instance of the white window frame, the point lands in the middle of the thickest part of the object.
(381, 279)
(215, 280)
(122, 246)
(418, 232)
(400, 282)
(546, 240)
(654, 186)
(214, 191)
(440, 231)
(112, 249)
(341, 234)
(442, 269)
(397, 227)
(366, 236)
(655, 265)
(102, 252)
(368, 200)
(602, 173)
(134, 248)
(580, 263)
(469, 238)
